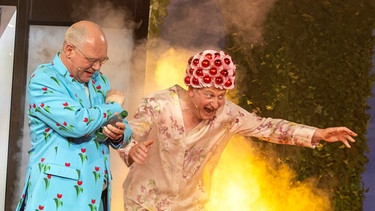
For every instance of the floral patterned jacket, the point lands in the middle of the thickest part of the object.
(171, 177)
(67, 167)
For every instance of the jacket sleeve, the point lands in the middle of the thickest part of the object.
(125, 139)
(56, 102)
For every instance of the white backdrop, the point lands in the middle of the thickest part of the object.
(7, 36)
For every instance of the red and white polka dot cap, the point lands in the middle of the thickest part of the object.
(210, 68)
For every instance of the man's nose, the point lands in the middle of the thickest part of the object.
(97, 65)
(215, 103)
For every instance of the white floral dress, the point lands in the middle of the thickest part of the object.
(171, 177)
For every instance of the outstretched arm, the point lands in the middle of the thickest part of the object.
(334, 134)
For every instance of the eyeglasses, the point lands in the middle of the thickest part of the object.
(91, 60)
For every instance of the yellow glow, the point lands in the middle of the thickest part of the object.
(243, 181)
(171, 69)
(165, 69)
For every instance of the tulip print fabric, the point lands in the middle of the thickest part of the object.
(67, 167)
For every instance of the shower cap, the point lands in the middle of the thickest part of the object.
(210, 68)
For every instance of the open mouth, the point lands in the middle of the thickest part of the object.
(209, 110)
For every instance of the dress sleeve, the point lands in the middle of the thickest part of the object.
(141, 125)
(277, 131)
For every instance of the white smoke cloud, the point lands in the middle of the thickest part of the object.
(191, 26)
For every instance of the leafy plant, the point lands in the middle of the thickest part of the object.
(158, 12)
(314, 68)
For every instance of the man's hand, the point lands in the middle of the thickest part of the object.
(114, 132)
(139, 152)
(334, 134)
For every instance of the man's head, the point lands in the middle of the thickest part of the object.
(210, 68)
(208, 76)
(84, 50)
(207, 100)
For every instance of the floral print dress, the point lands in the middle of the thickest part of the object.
(67, 168)
(171, 177)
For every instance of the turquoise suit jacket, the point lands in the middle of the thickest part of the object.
(67, 166)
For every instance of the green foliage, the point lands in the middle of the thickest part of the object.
(314, 68)
(158, 12)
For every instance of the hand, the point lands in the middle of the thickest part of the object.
(114, 133)
(138, 153)
(334, 134)
(115, 96)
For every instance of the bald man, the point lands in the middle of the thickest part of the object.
(69, 100)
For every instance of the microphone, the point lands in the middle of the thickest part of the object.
(74, 65)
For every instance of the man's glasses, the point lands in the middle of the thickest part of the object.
(91, 60)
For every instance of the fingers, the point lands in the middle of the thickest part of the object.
(113, 132)
(335, 134)
(344, 135)
(343, 130)
(120, 126)
(351, 139)
(148, 143)
(345, 141)
(139, 152)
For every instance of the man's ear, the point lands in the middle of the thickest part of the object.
(68, 50)
(190, 91)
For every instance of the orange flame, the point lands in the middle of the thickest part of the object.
(243, 181)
